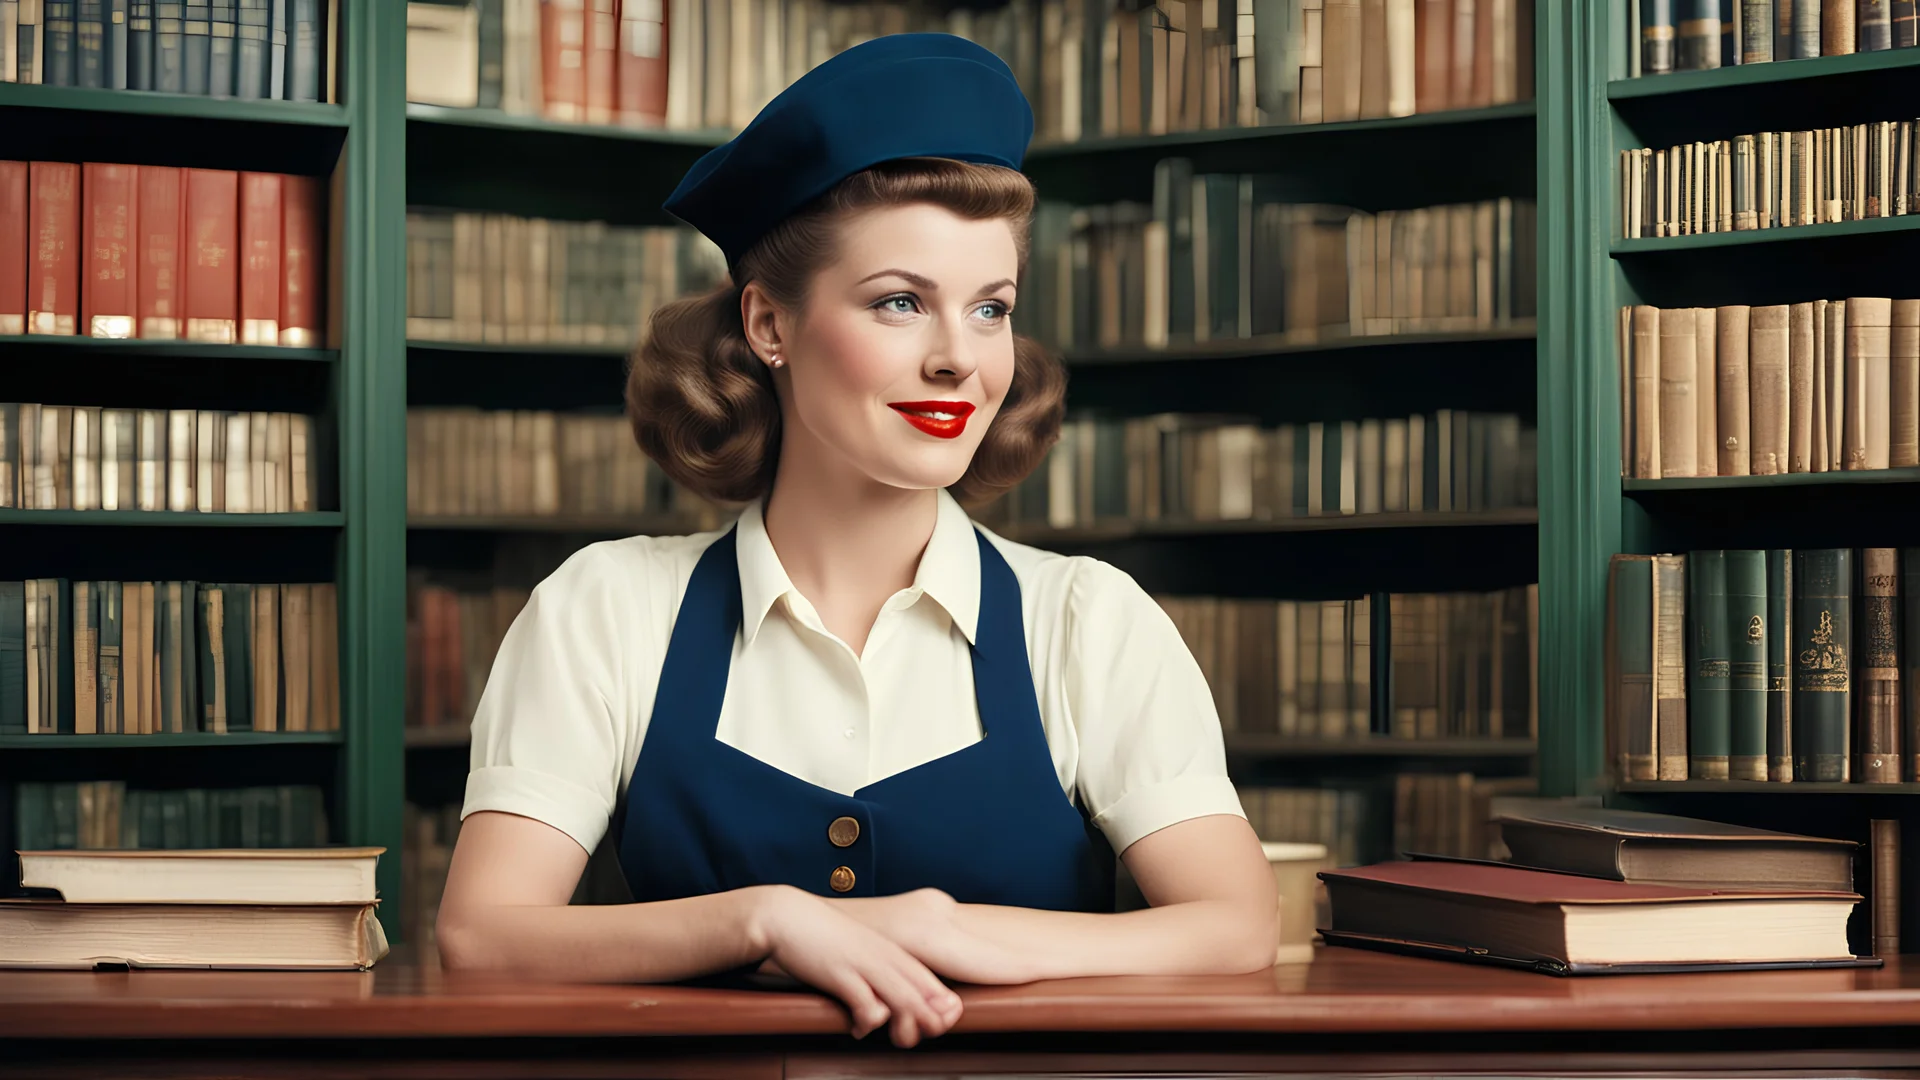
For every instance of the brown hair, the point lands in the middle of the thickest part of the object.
(702, 404)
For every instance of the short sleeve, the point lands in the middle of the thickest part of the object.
(548, 735)
(1151, 753)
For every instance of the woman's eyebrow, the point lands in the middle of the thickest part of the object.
(928, 284)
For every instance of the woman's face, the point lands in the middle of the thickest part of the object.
(904, 351)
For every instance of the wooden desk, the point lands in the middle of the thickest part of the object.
(1348, 1012)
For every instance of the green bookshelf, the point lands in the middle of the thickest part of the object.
(1590, 112)
(354, 387)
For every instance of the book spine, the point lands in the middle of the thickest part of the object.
(196, 46)
(53, 284)
(56, 17)
(1631, 638)
(14, 218)
(157, 284)
(169, 46)
(1823, 655)
(13, 658)
(1698, 38)
(1877, 676)
(115, 30)
(211, 278)
(90, 37)
(1670, 664)
(303, 52)
(140, 36)
(250, 52)
(1779, 630)
(301, 299)
(1708, 666)
(1876, 26)
(221, 25)
(276, 86)
(1656, 37)
(1746, 600)
(1756, 31)
(107, 293)
(1837, 19)
(109, 658)
(1903, 24)
(260, 272)
(1883, 846)
(1806, 28)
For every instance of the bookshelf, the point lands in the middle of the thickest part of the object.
(1592, 109)
(352, 386)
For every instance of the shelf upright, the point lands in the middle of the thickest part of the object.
(370, 285)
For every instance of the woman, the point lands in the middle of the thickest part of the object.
(851, 738)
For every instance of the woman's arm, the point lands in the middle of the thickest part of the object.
(1214, 911)
(505, 909)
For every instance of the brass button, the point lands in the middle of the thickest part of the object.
(842, 879)
(843, 832)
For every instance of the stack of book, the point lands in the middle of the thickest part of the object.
(1598, 890)
(290, 908)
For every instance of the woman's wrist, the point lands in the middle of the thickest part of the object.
(765, 906)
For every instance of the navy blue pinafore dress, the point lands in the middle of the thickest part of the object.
(988, 824)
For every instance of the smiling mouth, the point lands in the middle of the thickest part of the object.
(941, 419)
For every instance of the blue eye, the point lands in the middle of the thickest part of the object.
(898, 298)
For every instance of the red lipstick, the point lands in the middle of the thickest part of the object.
(941, 419)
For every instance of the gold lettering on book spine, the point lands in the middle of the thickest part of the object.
(1756, 630)
(1824, 666)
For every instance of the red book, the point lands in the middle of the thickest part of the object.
(157, 288)
(211, 252)
(260, 261)
(13, 247)
(107, 293)
(301, 259)
(643, 63)
(563, 59)
(603, 49)
(53, 266)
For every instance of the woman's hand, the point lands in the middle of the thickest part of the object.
(928, 924)
(819, 943)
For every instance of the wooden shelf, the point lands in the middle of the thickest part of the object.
(320, 519)
(69, 346)
(500, 121)
(183, 106)
(1249, 744)
(430, 737)
(189, 738)
(543, 350)
(1756, 787)
(1359, 163)
(1127, 530)
(603, 524)
(1288, 345)
(1779, 480)
(1648, 245)
(1754, 75)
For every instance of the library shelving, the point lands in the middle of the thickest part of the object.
(1592, 505)
(351, 383)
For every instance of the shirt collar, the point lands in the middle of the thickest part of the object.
(949, 570)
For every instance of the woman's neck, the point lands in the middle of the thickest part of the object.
(847, 546)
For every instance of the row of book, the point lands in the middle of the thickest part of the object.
(162, 253)
(502, 279)
(464, 461)
(1226, 256)
(1090, 68)
(1819, 386)
(250, 49)
(1463, 664)
(1765, 665)
(1696, 35)
(454, 630)
(82, 457)
(1177, 467)
(92, 815)
(425, 854)
(1439, 813)
(574, 61)
(1772, 180)
(166, 657)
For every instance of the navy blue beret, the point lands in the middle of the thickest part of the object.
(897, 96)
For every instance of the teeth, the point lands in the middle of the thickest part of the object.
(933, 415)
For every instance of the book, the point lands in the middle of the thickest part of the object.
(1665, 849)
(326, 875)
(1567, 924)
(56, 934)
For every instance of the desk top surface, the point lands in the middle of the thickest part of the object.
(1341, 991)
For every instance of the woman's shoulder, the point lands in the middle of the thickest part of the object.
(1079, 587)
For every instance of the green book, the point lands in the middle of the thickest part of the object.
(1747, 639)
(13, 658)
(1822, 663)
(1709, 660)
(1632, 643)
(1779, 665)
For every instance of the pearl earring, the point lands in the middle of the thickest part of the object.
(775, 361)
